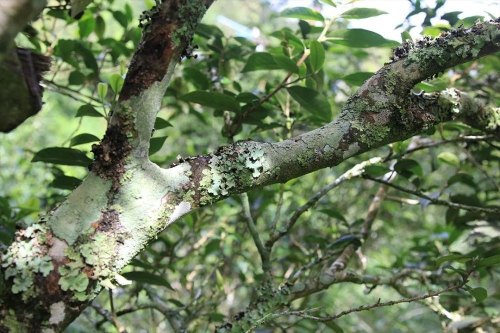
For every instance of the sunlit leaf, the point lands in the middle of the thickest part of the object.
(360, 38)
(317, 55)
(303, 13)
(361, 13)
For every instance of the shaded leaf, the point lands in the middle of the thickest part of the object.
(260, 61)
(357, 79)
(155, 144)
(312, 101)
(489, 261)
(83, 138)
(161, 123)
(408, 167)
(148, 278)
(214, 100)
(333, 213)
(62, 156)
(88, 110)
(479, 294)
(65, 182)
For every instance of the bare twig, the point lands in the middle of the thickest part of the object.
(263, 252)
(488, 210)
(355, 171)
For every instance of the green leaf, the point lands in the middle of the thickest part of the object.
(83, 138)
(405, 36)
(317, 56)
(246, 97)
(116, 82)
(102, 90)
(479, 294)
(121, 18)
(260, 61)
(449, 158)
(357, 79)
(100, 26)
(161, 123)
(303, 13)
(329, 2)
(452, 257)
(463, 178)
(155, 144)
(376, 170)
(86, 25)
(407, 167)
(212, 99)
(196, 77)
(87, 110)
(489, 261)
(312, 101)
(286, 63)
(360, 38)
(65, 182)
(333, 213)
(76, 78)
(63, 156)
(361, 13)
(147, 278)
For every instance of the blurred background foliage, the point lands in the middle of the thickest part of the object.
(242, 82)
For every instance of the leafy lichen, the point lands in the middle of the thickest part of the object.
(26, 258)
(229, 168)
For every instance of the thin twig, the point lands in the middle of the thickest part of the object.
(493, 210)
(378, 304)
(263, 252)
(355, 171)
(432, 144)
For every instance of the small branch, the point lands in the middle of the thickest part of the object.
(433, 144)
(493, 210)
(355, 171)
(378, 304)
(263, 252)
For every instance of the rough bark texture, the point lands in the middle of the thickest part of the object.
(20, 70)
(56, 267)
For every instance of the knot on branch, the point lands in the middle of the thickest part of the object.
(110, 154)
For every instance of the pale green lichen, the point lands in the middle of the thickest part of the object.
(231, 167)
(26, 258)
(351, 150)
(370, 133)
(83, 207)
(99, 254)
(73, 278)
(189, 14)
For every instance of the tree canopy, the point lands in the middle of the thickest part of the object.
(190, 166)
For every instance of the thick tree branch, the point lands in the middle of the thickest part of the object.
(20, 69)
(14, 15)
